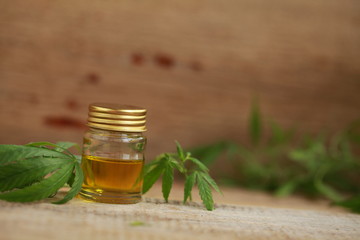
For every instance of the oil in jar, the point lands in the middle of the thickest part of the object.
(113, 153)
(120, 179)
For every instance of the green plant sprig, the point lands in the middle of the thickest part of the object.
(194, 171)
(284, 163)
(36, 171)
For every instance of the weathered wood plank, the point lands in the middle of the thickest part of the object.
(152, 219)
(195, 65)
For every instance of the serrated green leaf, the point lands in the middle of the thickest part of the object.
(71, 180)
(78, 158)
(287, 188)
(154, 163)
(210, 181)
(76, 186)
(189, 184)
(12, 153)
(255, 125)
(199, 164)
(205, 193)
(149, 168)
(299, 155)
(167, 181)
(153, 175)
(42, 189)
(25, 172)
(41, 144)
(328, 191)
(61, 146)
(179, 165)
(277, 134)
(180, 151)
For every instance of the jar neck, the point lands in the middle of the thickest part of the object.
(114, 133)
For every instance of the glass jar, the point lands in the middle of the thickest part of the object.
(113, 153)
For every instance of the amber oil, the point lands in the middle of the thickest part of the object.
(120, 179)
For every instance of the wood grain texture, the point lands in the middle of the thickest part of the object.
(196, 65)
(82, 220)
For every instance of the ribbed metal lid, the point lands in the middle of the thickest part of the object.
(117, 117)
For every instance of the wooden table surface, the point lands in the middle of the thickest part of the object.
(239, 214)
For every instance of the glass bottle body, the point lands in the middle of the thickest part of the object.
(112, 162)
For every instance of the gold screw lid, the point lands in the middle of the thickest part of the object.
(116, 117)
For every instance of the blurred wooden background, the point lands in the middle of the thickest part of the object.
(196, 65)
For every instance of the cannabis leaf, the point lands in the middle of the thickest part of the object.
(193, 169)
(189, 184)
(286, 162)
(38, 170)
